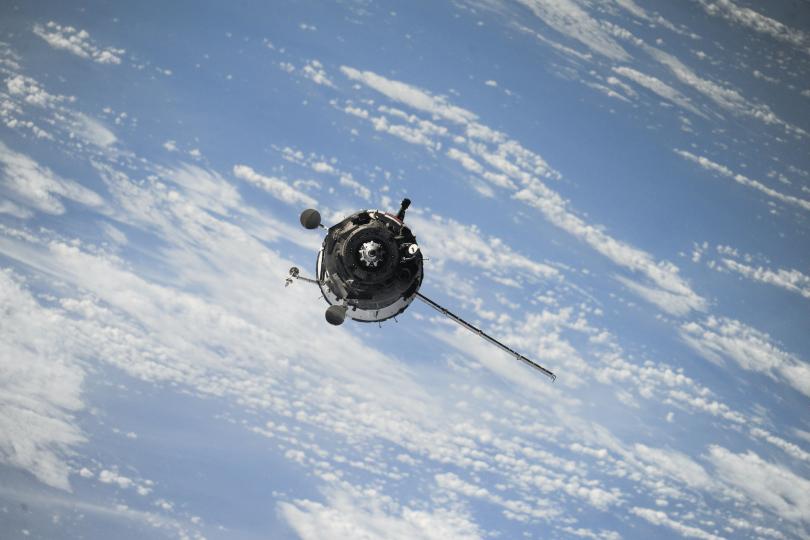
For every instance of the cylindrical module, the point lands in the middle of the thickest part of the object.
(371, 264)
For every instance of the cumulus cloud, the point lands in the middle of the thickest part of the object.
(77, 42)
(354, 514)
(313, 70)
(31, 92)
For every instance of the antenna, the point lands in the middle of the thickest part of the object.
(444, 311)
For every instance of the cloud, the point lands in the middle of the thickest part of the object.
(329, 167)
(38, 187)
(313, 70)
(359, 515)
(658, 87)
(276, 187)
(31, 92)
(758, 22)
(570, 20)
(40, 386)
(724, 96)
(200, 310)
(676, 465)
(77, 42)
(658, 517)
(8, 207)
(769, 484)
(94, 131)
(445, 239)
(718, 338)
(724, 171)
(410, 95)
(791, 280)
(512, 163)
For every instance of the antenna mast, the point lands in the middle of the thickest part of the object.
(444, 311)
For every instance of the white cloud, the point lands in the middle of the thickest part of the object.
(94, 131)
(362, 515)
(511, 159)
(758, 22)
(672, 293)
(658, 517)
(31, 92)
(329, 167)
(214, 324)
(40, 386)
(38, 187)
(276, 187)
(718, 338)
(410, 95)
(769, 484)
(724, 96)
(676, 465)
(8, 207)
(789, 447)
(77, 42)
(722, 170)
(570, 20)
(657, 86)
(314, 71)
(791, 280)
(448, 240)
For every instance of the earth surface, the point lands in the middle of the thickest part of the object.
(619, 189)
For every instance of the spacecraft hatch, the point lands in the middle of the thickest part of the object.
(369, 269)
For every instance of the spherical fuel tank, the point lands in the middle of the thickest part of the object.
(371, 264)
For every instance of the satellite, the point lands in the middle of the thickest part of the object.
(369, 269)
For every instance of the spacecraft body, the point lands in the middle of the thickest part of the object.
(369, 269)
(371, 264)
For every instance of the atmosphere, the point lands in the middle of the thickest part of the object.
(618, 190)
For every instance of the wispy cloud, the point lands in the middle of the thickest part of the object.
(719, 338)
(657, 517)
(41, 386)
(658, 87)
(570, 20)
(770, 484)
(723, 95)
(276, 187)
(789, 279)
(724, 171)
(511, 164)
(754, 20)
(38, 187)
